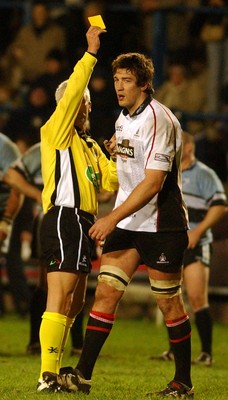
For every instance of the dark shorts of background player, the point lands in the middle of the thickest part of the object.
(162, 251)
(200, 253)
(65, 243)
(36, 250)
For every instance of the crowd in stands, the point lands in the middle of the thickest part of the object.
(36, 55)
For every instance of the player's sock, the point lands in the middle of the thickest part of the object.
(52, 331)
(98, 329)
(204, 326)
(180, 340)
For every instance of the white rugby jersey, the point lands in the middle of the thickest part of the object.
(151, 139)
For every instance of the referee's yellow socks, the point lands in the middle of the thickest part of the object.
(52, 335)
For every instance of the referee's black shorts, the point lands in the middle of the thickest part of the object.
(162, 251)
(65, 243)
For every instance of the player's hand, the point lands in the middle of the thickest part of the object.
(5, 229)
(93, 38)
(193, 238)
(110, 146)
(102, 228)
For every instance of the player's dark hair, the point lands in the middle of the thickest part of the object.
(140, 65)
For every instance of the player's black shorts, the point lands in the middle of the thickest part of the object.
(199, 253)
(65, 243)
(161, 250)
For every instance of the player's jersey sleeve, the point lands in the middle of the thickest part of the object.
(163, 139)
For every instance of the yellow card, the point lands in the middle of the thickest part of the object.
(97, 20)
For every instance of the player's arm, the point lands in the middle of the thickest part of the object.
(58, 130)
(139, 197)
(16, 180)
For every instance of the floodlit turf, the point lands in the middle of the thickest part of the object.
(123, 371)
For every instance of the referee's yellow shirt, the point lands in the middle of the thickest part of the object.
(73, 170)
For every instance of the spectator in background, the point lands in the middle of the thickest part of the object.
(56, 70)
(215, 35)
(181, 92)
(124, 28)
(23, 126)
(176, 25)
(33, 42)
(11, 70)
(174, 92)
(74, 20)
(70, 16)
(10, 21)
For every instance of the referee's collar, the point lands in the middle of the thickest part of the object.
(140, 109)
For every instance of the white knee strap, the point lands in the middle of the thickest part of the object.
(113, 276)
(165, 289)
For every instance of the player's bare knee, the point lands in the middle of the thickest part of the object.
(197, 303)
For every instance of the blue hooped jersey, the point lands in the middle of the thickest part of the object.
(8, 153)
(29, 165)
(202, 189)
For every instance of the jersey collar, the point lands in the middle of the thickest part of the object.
(140, 109)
